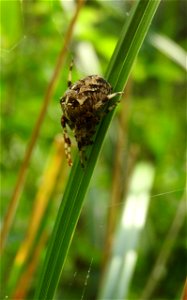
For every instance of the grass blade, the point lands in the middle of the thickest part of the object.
(124, 253)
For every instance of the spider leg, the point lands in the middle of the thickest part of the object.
(67, 141)
(70, 74)
(113, 105)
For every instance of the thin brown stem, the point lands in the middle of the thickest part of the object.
(9, 217)
(184, 293)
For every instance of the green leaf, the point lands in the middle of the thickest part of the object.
(131, 38)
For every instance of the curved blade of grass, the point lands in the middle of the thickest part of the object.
(120, 268)
(132, 36)
(169, 48)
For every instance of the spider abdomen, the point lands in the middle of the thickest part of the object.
(83, 106)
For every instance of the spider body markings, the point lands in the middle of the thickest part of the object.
(84, 104)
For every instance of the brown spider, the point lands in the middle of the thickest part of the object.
(83, 105)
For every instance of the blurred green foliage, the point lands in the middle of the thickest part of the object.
(156, 126)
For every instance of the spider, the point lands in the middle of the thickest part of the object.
(84, 104)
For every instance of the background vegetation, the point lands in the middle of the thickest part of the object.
(148, 127)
